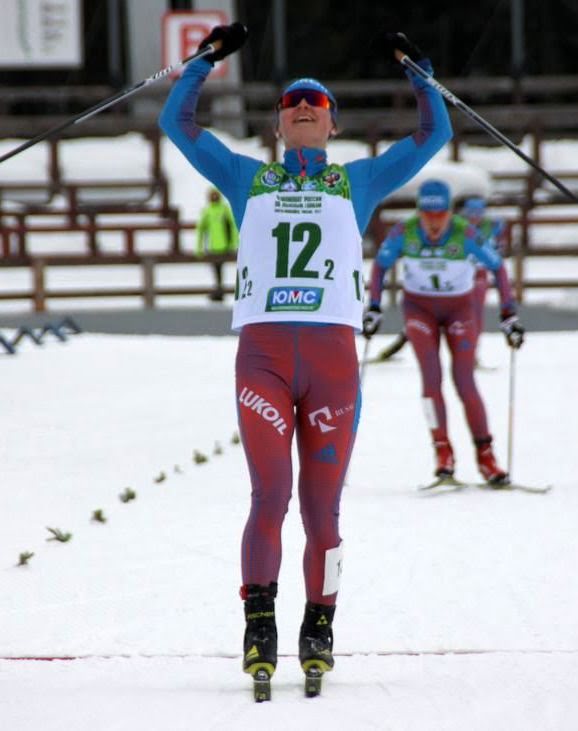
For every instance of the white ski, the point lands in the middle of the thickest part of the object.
(448, 483)
(445, 483)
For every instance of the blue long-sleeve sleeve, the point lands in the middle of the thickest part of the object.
(389, 251)
(230, 172)
(490, 258)
(373, 179)
(484, 252)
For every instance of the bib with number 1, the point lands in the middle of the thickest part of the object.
(437, 270)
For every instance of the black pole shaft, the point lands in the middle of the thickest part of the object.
(459, 104)
(105, 103)
(280, 45)
(114, 39)
(517, 34)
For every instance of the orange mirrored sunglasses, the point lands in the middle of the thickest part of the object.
(312, 97)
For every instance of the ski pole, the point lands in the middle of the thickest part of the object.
(363, 364)
(110, 101)
(491, 130)
(511, 391)
(393, 347)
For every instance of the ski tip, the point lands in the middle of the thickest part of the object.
(538, 489)
(445, 483)
(513, 486)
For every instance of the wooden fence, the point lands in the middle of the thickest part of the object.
(94, 210)
(148, 290)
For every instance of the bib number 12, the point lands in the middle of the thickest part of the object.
(310, 235)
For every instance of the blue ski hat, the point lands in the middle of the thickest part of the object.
(434, 195)
(475, 206)
(314, 85)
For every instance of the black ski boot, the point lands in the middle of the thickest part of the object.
(260, 640)
(316, 645)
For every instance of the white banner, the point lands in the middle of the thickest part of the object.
(44, 33)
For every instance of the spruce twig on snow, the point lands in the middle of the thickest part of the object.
(58, 535)
(127, 495)
(199, 457)
(24, 557)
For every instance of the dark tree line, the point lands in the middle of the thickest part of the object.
(336, 40)
(341, 40)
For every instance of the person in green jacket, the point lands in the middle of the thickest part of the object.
(216, 234)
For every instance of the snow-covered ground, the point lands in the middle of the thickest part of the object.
(457, 612)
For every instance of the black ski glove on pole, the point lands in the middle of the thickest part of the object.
(392, 42)
(513, 330)
(231, 38)
(371, 321)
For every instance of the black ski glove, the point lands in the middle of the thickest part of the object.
(392, 42)
(513, 330)
(371, 321)
(231, 37)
